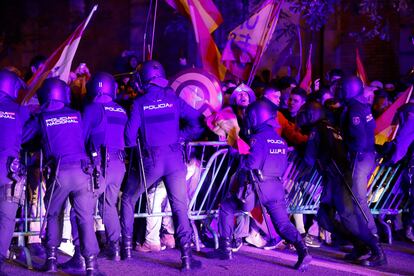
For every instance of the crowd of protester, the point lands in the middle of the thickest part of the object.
(289, 102)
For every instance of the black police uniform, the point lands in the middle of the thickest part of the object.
(326, 149)
(104, 128)
(12, 119)
(268, 153)
(156, 117)
(62, 139)
(358, 127)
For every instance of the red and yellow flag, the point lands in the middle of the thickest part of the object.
(385, 130)
(361, 73)
(307, 79)
(205, 18)
(247, 42)
(59, 62)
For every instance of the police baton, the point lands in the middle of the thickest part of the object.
(258, 191)
(104, 171)
(143, 178)
(349, 189)
(42, 227)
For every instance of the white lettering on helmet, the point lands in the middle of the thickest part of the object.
(7, 115)
(158, 106)
(100, 84)
(62, 121)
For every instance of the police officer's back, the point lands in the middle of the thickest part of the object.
(358, 125)
(155, 119)
(104, 124)
(12, 120)
(266, 162)
(326, 149)
(62, 137)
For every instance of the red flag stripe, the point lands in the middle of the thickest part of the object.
(41, 74)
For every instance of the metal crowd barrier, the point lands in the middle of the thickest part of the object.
(211, 184)
(385, 194)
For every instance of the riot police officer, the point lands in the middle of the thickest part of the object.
(155, 117)
(358, 125)
(104, 125)
(62, 138)
(12, 120)
(326, 149)
(268, 155)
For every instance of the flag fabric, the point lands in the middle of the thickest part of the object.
(307, 79)
(208, 51)
(59, 62)
(224, 123)
(361, 73)
(248, 41)
(210, 15)
(385, 130)
(205, 18)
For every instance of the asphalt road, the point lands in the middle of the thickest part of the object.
(248, 261)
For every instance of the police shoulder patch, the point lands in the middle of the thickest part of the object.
(356, 120)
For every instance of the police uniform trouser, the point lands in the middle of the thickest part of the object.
(163, 163)
(7, 211)
(362, 168)
(107, 203)
(336, 198)
(7, 222)
(273, 198)
(74, 184)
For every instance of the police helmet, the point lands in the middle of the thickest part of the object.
(101, 83)
(54, 89)
(351, 87)
(258, 113)
(309, 114)
(153, 72)
(10, 83)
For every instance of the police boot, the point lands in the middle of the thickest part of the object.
(126, 248)
(76, 263)
(51, 260)
(113, 252)
(357, 252)
(224, 252)
(377, 257)
(187, 260)
(92, 266)
(304, 258)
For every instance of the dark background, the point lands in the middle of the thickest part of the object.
(31, 27)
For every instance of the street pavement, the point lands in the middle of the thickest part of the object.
(248, 261)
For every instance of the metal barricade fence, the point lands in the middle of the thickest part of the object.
(210, 185)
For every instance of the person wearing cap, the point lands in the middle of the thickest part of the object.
(241, 97)
(154, 126)
(60, 130)
(12, 121)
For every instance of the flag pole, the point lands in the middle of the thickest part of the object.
(153, 28)
(394, 134)
(144, 47)
(265, 39)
